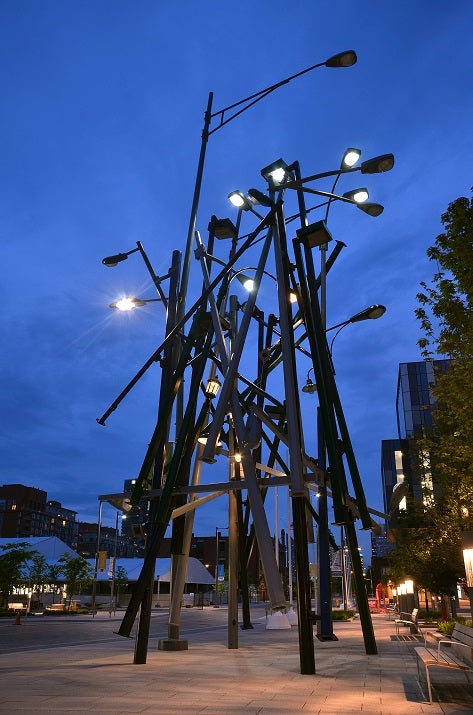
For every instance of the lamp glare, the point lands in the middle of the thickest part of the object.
(124, 304)
(351, 157)
(237, 199)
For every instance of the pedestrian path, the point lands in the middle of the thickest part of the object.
(261, 677)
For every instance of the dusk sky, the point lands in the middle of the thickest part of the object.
(102, 114)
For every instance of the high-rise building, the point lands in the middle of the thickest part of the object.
(22, 511)
(26, 511)
(404, 466)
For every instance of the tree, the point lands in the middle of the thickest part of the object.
(38, 572)
(445, 313)
(77, 573)
(12, 563)
(121, 581)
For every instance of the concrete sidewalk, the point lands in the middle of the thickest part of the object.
(261, 677)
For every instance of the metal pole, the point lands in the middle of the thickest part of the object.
(96, 566)
(142, 636)
(216, 567)
(295, 444)
(232, 512)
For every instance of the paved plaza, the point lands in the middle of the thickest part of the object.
(77, 664)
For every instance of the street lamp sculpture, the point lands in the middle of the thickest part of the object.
(195, 340)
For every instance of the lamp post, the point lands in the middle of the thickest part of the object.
(217, 563)
(467, 547)
(341, 59)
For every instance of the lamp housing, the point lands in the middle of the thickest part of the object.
(378, 164)
(315, 234)
(257, 197)
(276, 172)
(112, 261)
(371, 209)
(212, 388)
(372, 313)
(222, 228)
(342, 59)
(310, 387)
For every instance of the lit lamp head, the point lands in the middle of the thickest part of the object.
(125, 304)
(212, 388)
(276, 172)
(315, 234)
(350, 157)
(239, 200)
(359, 196)
(467, 546)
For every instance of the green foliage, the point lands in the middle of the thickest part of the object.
(13, 559)
(343, 615)
(446, 627)
(76, 571)
(428, 537)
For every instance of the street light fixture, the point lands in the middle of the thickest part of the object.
(309, 387)
(315, 234)
(276, 172)
(112, 261)
(378, 164)
(126, 303)
(243, 203)
(372, 313)
(357, 195)
(213, 386)
(350, 157)
(222, 228)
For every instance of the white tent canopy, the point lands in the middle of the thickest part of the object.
(53, 548)
(196, 571)
(50, 547)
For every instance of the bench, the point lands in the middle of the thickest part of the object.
(409, 620)
(459, 656)
(17, 607)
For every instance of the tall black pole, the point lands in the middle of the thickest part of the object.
(142, 636)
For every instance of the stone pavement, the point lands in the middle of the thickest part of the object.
(261, 677)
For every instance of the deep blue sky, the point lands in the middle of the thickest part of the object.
(102, 111)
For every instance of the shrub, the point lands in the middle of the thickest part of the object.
(342, 615)
(446, 627)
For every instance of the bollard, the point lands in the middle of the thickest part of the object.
(17, 619)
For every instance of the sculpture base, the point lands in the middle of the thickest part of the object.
(173, 644)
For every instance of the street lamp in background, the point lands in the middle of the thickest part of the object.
(217, 570)
(121, 504)
(467, 546)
